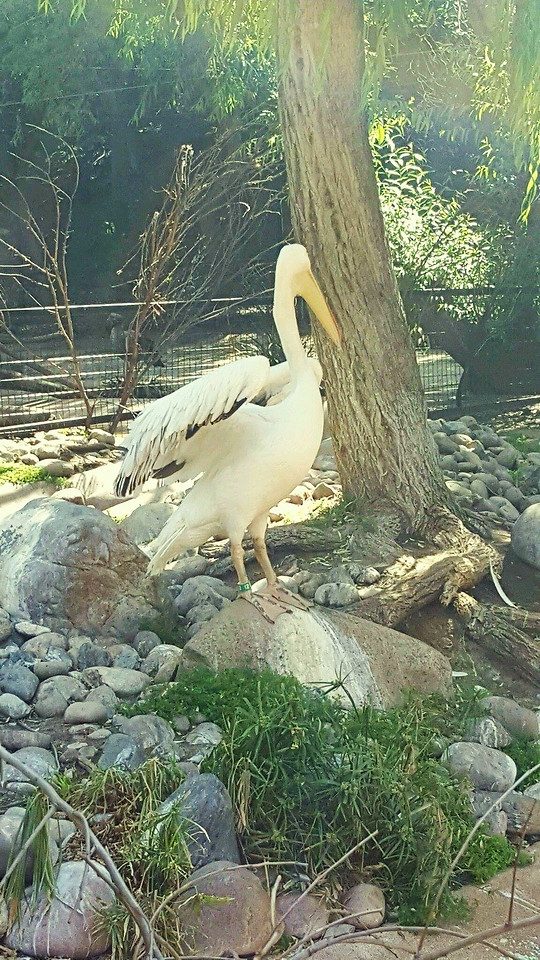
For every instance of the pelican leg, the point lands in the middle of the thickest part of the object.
(273, 599)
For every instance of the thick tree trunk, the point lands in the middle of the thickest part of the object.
(384, 451)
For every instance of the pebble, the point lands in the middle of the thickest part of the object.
(12, 707)
(203, 589)
(89, 711)
(303, 917)
(336, 595)
(366, 903)
(125, 683)
(37, 759)
(106, 697)
(56, 665)
(18, 680)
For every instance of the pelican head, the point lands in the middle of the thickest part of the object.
(294, 262)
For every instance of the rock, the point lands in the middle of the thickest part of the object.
(309, 583)
(444, 443)
(54, 696)
(103, 436)
(71, 494)
(12, 707)
(67, 925)
(121, 751)
(147, 521)
(15, 738)
(90, 711)
(57, 468)
(125, 683)
(144, 642)
(366, 903)
(44, 644)
(533, 791)
(496, 822)
(508, 457)
(478, 487)
(518, 720)
(189, 567)
(4, 916)
(491, 482)
(28, 629)
(6, 626)
(526, 536)
(48, 451)
(60, 562)
(10, 824)
(62, 831)
(18, 680)
(336, 595)
(366, 576)
(38, 760)
(489, 732)
(57, 664)
(105, 696)
(163, 657)
(323, 491)
(200, 613)
(487, 769)
(206, 806)
(92, 655)
(306, 917)
(238, 918)
(153, 734)
(203, 589)
(316, 646)
(522, 811)
(125, 657)
(339, 930)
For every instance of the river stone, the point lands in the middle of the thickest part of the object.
(92, 655)
(67, 925)
(125, 683)
(380, 664)
(121, 751)
(166, 656)
(57, 664)
(106, 696)
(4, 916)
(526, 536)
(44, 644)
(10, 825)
(6, 626)
(496, 822)
(18, 680)
(366, 904)
(55, 694)
(12, 707)
(145, 641)
(522, 810)
(203, 589)
(336, 595)
(489, 732)
(90, 711)
(518, 720)
(62, 563)
(487, 769)
(189, 567)
(533, 791)
(37, 759)
(153, 734)
(28, 629)
(15, 738)
(306, 916)
(147, 521)
(209, 820)
(237, 920)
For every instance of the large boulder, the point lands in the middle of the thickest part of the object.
(317, 646)
(61, 563)
(526, 536)
(68, 924)
(204, 804)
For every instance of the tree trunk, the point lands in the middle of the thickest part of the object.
(384, 451)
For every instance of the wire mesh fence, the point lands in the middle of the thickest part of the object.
(36, 371)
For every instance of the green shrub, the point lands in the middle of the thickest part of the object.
(525, 754)
(20, 473)
(310, 779)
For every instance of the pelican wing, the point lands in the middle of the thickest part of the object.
(158, 441)
(278, 383)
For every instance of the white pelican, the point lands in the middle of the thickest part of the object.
(248, 457)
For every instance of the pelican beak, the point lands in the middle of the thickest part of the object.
(313, 295)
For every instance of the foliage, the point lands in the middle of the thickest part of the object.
(43, 873)
(148, 847)
(310, 779)
(525, 754)
(19, 473)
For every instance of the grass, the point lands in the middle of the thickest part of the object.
(20, 473)
(525, 754)
(329, 513)
(522, 442)
(310, 779)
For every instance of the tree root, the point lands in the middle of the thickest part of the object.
(513, 635)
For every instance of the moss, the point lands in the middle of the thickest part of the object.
(21, 473)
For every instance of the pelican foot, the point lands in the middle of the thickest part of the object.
(271, 602)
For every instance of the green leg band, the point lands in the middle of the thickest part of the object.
(244, 587)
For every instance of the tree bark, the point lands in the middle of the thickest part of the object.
(512, 635)
(383, 449)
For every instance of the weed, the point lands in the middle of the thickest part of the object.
(331, 514)
(20, 473)
(522, 442)
(525, 754)
(310, 779)
(43, 872)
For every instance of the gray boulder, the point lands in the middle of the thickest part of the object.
(62, 563)
(106, 696)
(145, 641)
(124, 683)
(121, 751)
(203, 589)
(54, 696)
(6, 625)
(153, 734)
(147, 521)
(92, 655)
(37, 759)
(17, 679)
(67, 925)
(12, 707)
(336, 595)
(526, 536)
(206, 806)
(489, 732)
(518, 720)
(10, 825)
(487, 769)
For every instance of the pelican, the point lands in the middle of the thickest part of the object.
(250, 433)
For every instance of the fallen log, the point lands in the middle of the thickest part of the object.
(511, 634)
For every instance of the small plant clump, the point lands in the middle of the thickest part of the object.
(311, 778)
(526, 755)
(20, 473)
